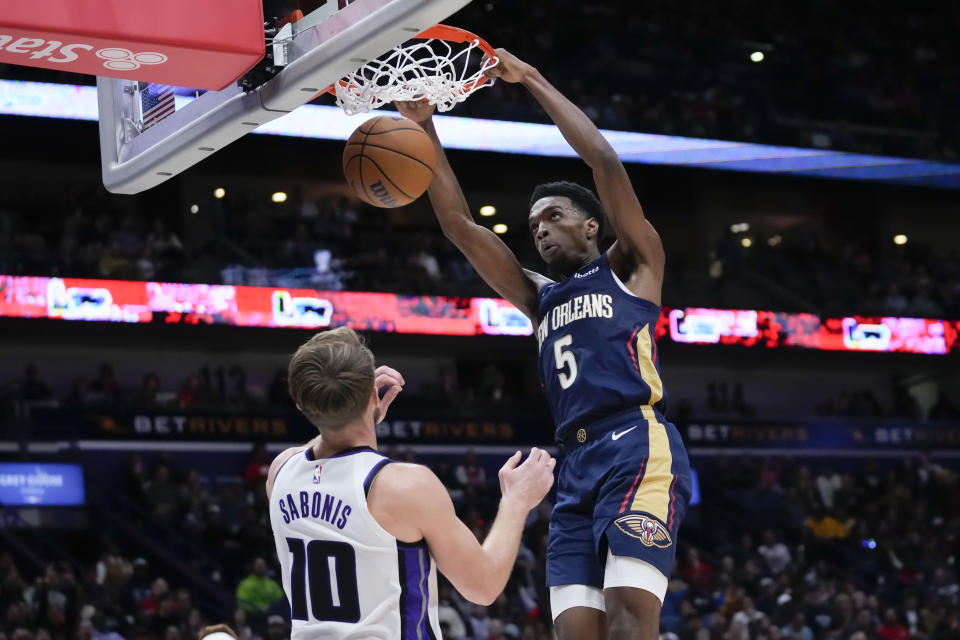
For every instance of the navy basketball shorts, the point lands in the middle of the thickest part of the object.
(623, 487)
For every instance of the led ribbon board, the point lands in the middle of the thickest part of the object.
(313, 121)
(242, 306)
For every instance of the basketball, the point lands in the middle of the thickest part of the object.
(388, 161)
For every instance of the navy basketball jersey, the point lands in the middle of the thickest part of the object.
(597, 353)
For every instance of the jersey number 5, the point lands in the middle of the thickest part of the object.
(565, 360)
(329, 570)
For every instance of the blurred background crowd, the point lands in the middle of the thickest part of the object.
(858, 551)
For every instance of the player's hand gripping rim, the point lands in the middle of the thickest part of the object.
(509, 68)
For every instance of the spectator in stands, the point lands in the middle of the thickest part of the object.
(257, 592)
(255, 474)
(147, 398)
(113, 570)
(31, 387)
(277, 628)
(277, 395)
(163, 495)
(244, 632)
(797, 629)
(470, 474)
(104, 389)
(828, 483)
(774, 552)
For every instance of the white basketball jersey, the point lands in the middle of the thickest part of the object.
(344, 575)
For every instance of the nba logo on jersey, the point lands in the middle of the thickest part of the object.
(316, 474)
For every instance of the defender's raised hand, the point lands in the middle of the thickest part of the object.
(384, 376)
(529, 482)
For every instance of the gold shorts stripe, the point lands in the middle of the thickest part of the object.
(653, 494)
(645, 361)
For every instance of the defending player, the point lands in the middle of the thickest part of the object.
(625, 483)
(358, 536)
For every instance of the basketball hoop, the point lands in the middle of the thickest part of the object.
(442, 65)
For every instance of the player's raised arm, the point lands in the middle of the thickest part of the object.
(488, 254)
(412, 503)
(635, 234)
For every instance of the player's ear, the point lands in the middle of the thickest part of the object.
(593, 228)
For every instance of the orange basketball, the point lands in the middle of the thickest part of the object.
(389, 161)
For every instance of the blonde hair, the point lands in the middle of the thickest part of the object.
(331, 377)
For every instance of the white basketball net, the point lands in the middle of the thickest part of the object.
(434, 70)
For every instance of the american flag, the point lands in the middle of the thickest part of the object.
(156, 103)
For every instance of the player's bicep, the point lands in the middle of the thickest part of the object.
(495, 263)
(634, 232)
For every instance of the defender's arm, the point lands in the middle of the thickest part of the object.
(410, 500)
(635, 234)
(488, 254)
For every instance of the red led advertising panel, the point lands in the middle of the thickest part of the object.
(173, 303)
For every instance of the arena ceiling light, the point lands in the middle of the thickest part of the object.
(774, 240)
(194, 208)
(746, 242)
(279, 196)
(740, 227)
(900, 239)
(757, 56)
(500, 228)
(219, 193)
(488, 210)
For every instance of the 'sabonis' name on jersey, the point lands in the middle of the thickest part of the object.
(588, 305)
(316, 506)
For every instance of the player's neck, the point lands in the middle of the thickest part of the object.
(592, 255)
(358, 434)
(575, 264)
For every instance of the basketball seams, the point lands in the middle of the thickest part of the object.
(380, 133)
(399, 153)
(359, 157)
(363, 182)
(387, 178)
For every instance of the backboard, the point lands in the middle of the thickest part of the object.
(149, 133)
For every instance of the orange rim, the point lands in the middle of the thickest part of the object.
(450, 34)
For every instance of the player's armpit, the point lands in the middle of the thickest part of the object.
(636, 237)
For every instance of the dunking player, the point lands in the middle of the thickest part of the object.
(625, 483)
(356, 535)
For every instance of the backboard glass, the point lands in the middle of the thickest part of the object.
(145, 141)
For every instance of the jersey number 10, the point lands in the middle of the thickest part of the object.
(329, 570)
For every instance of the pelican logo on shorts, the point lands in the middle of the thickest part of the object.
(650, 531)
(316, 474)
(581, 435)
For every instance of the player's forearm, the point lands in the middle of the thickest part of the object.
(446, 196)
(500, 549)
(576, 127)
